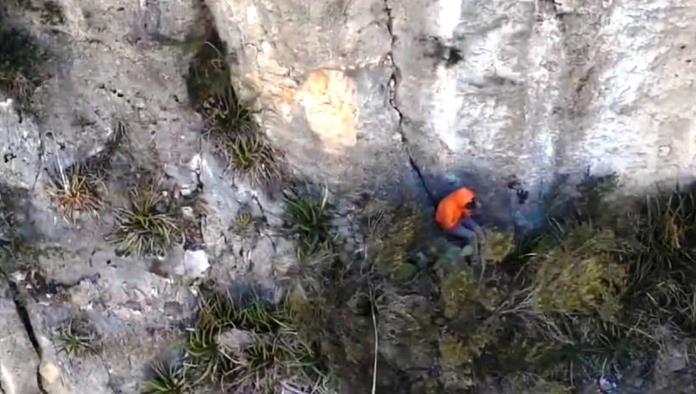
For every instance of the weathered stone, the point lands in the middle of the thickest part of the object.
(19, 361)
(392, 97)
(235, 340)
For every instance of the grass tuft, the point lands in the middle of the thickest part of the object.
(244, 223)
(243, 342)
(77, 339)
(309, 220)
(76, 193)
(168, 377)
(230, 123)
(249, 154)
(147, 226)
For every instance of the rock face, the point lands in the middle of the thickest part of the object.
(404, 99)
(476, 92)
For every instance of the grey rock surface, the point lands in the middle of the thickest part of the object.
(476, 92)
(111, 62)
(403, 99)
(19, 362)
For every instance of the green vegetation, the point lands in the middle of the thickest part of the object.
(77, 338)
(309, 219)
(166, 378)
(148, 226)
(230, 124)
(601, 291)
(244, 223)
(243, 342)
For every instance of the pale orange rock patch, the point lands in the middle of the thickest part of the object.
(329, 101)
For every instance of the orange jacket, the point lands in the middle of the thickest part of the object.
(453, 208)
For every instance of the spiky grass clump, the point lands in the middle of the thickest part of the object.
(272, 351)
(244, 223)
(250, 155)
(229, 123)
(309, 220)
(147, 226)
(168, 377)
(76, 338)
(76, 193)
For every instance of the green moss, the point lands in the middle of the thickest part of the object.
(453, 351)
(395, 241)
(463, 294)
(499, 245)
(581, 275)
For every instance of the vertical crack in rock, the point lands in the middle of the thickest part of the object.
(28, 327)
(265, 219)
(393, 87)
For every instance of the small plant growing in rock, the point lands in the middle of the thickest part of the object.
(168, 377)
(244, 223)
(147, 226)
(252, 156)
(309, 220)
(206, 356)
(250, 344)
(76, 193)
(20, 56)
(52, 13)
(76, 338)
(229, 123)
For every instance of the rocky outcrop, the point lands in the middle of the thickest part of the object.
(481, 93)
(401, 99)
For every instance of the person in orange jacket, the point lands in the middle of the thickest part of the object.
(454, 216)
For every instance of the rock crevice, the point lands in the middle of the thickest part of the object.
(24, 317)
(393, 92)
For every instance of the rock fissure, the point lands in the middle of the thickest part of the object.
(29, 328)
(265, 219)
(393, 88)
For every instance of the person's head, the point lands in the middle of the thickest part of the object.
(473, 204)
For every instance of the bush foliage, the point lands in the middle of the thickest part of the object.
(602, 291)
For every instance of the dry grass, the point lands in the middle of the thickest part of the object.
(76, 193)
